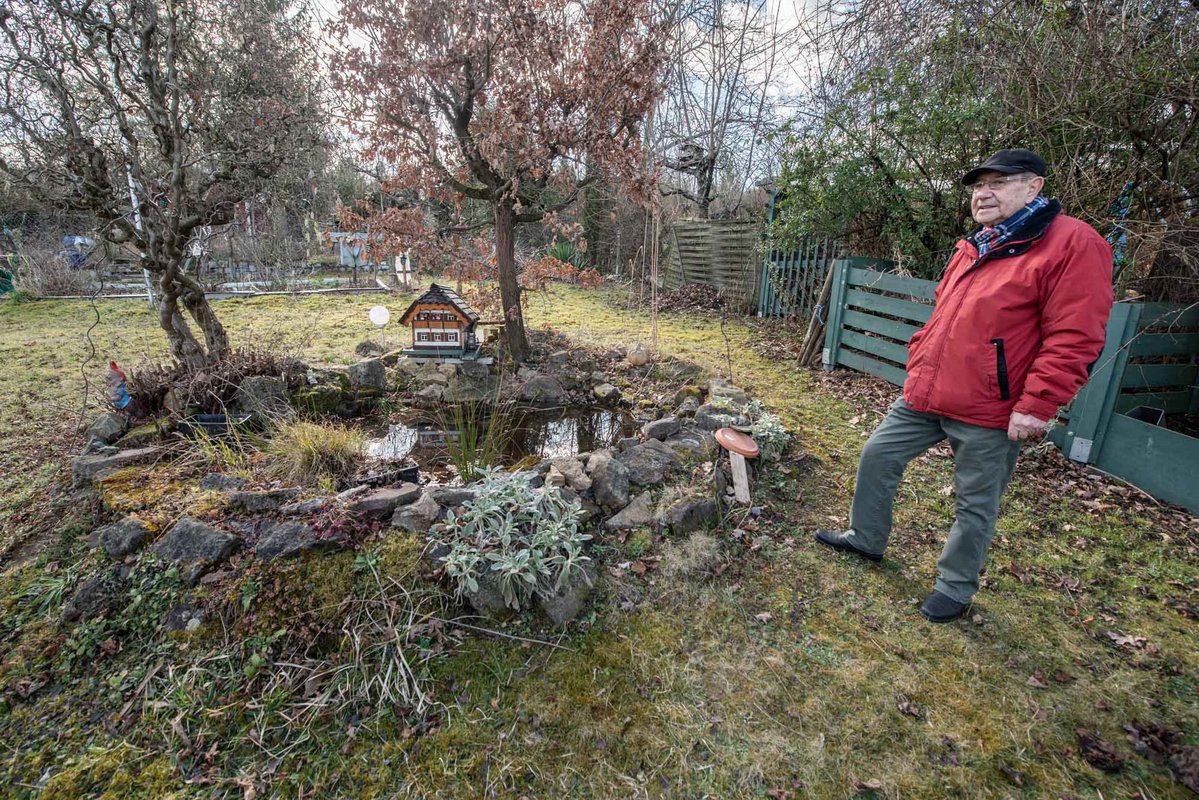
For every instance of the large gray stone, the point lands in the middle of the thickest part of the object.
(661, 428)
(260, 502)
(720, 390)
(695, 442)
(90, 467)
(122, 537)
(567, 601)
(304, 507)
(542, 389)
(451, 496)
(474, 370)
(382, 503)
(709, 418)
(432, 393)
(554, 477)
(687, 408)
(572, 470)
(219, 482)
(108, 427)
(369, 374)
(198, 546)
(606, 392)
(429, 374)
(647, 464)
(637, 514)
(288, 539)
(97, 595)
(369, 348)
(463, 389)
(610, 483)
(417, 517)
(262, 394)
(688, 514)
(488, 599)
(594, 460)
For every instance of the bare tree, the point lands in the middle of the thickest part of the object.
(158, 119)
(718, 109)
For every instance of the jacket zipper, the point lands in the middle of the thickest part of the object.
(1001, 369)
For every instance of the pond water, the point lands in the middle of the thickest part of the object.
(528, 432)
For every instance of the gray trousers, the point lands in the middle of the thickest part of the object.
(984, 459)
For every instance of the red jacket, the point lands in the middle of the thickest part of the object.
(1016, 329)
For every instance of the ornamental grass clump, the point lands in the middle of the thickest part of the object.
(525, 539)
(311, 452)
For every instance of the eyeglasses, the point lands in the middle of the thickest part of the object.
(995, 184)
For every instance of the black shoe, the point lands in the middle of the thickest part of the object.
(942, 608)
(837, 541)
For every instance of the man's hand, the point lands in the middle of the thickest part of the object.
(1022, 426)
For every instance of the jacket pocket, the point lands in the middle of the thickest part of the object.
(1005, 392)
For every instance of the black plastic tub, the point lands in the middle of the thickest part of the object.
(215, 425)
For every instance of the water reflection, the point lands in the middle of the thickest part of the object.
(545, 434)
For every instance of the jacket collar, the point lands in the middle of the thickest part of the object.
(1033, 230)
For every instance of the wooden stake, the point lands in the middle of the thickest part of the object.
(740, 477)
(815, 326)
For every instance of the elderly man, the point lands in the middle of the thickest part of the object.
(1020, 316)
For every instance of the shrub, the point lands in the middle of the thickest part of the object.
(567, 253)
(311, 452)
(768, 431)
(527, 539)
(212, 390)
(44, 273)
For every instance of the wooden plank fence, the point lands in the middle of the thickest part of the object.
(722, 253)
(871, 316)
(1150, 361)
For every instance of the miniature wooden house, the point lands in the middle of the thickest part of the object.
(443, 325)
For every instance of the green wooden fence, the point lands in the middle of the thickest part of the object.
(871, 316)
(791, 280)
(1150, 361)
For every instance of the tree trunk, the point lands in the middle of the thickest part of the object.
(215, 338)
(179, 288)
(184, 347)
(505, 258)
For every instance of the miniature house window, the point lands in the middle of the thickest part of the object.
(422, 336)
(451, 336)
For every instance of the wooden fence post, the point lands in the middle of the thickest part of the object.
(835, 311)
(1092, 407)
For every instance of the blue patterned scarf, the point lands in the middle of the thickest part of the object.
(988, 239)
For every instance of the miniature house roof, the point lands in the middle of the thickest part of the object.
(440, 295)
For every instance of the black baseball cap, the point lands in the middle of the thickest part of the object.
(1008, 162)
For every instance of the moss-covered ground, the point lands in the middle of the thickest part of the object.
(790, 673)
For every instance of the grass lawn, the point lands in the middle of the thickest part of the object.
(791, 673)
